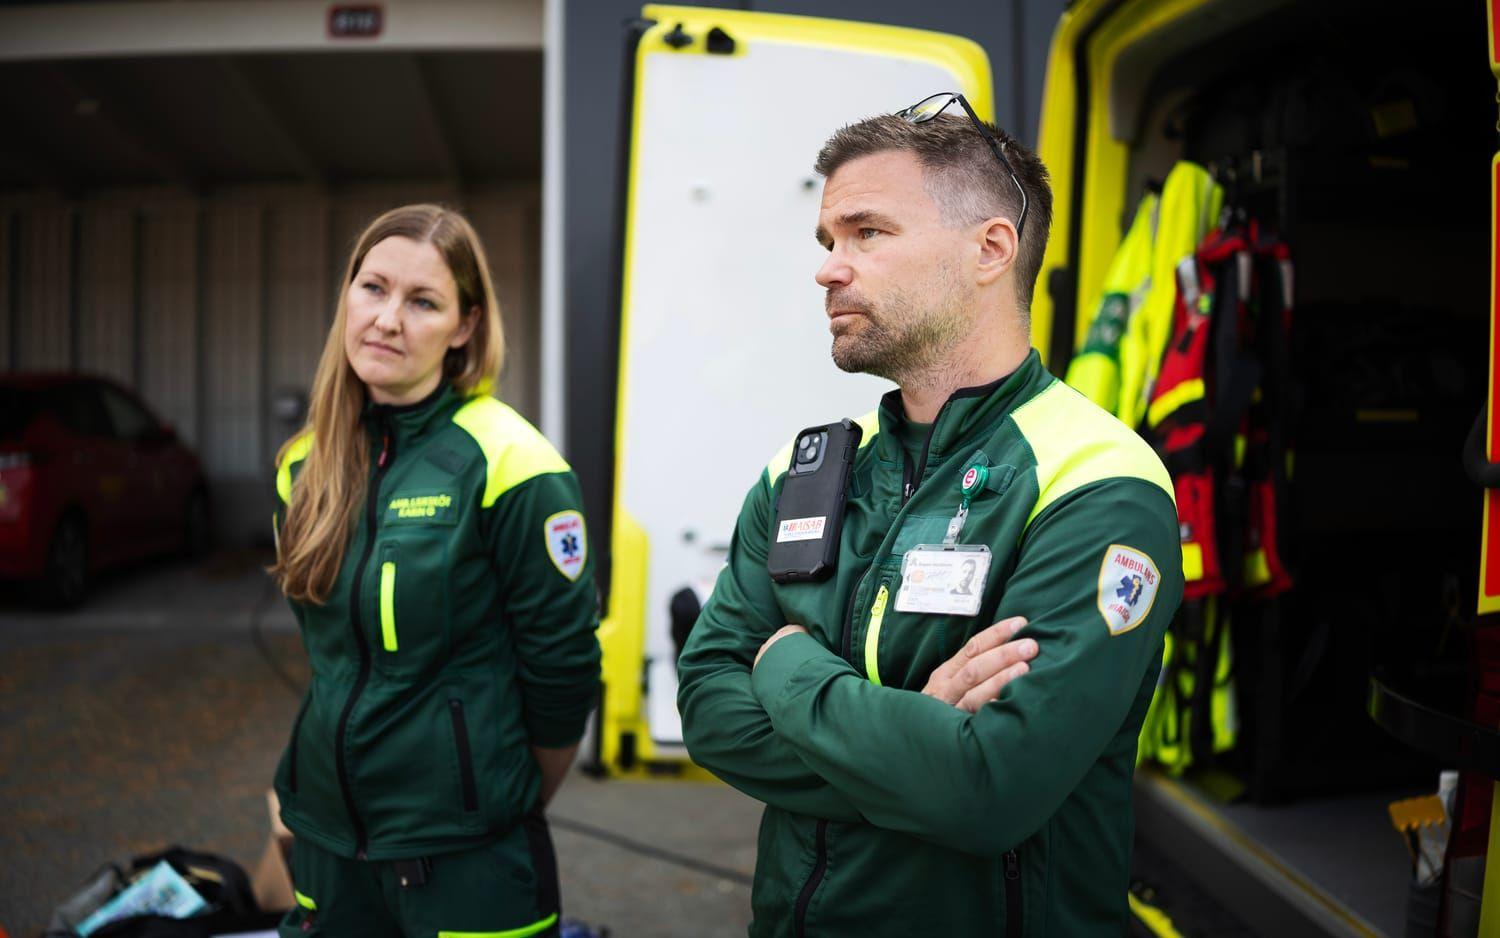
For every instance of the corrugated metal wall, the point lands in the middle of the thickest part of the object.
(213, 308)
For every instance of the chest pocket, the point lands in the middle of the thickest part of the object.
(412, 592)
(901, 649)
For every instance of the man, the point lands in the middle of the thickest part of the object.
(926, 772)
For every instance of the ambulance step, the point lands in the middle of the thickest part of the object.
(1238, 872)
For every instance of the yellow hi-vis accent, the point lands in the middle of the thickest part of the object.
(388, 604)
(305, 901)
(1192, 562)
(1076, 443)
(872, 638)
(522, 932)
(1095, 370)
(1190, 203)
(1153, 918)
(782, 461)
(1180, 396)
(514, 450)
(296, 451)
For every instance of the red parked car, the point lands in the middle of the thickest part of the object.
(89, 479)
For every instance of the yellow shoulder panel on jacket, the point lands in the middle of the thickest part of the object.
(777, 467)
(1076, 443)
(296, 451)
(514, 450)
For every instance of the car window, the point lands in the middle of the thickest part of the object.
(78, 408)
(127, 418)
(18, 408)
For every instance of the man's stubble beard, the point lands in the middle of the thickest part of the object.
(903, 339)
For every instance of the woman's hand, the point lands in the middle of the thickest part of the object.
(554, 764)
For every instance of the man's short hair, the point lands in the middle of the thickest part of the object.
(962, 176)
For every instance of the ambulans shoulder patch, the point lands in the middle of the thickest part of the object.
(567, 543)
(1128, 581)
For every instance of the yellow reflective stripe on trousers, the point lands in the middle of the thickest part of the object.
(522, 932)
(388, 604)
(872, 638)
(305, 901)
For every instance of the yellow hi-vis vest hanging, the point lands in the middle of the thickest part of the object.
(1190, 206)
(1095, 370)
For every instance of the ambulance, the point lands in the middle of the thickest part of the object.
(1344, 657)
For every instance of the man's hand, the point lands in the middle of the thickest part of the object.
(782, 632)
(986, 663)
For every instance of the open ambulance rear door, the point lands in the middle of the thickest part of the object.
(724, 345)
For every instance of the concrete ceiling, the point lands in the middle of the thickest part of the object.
(464, 117)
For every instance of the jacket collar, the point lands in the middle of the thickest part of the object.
(968, 415)
(406, 421)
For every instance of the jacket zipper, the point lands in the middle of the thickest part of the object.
(820, 864)
(819, 868)
(911, 476)
(1012, 895)
(465, 758)
(387, 456)
(909, 481)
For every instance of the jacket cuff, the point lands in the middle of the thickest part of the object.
(782, 661)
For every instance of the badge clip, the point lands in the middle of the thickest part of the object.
(971, 483)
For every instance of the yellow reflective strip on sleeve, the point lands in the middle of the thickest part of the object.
(872, 638)
(782, 461)
(514, 450)
(1192, 562)
(296, 451)
(1155, 920)
(305, 901)
(1185, 393)
(388, 604)
(1076, 443)
(522, 932)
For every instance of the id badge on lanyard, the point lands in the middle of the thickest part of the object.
(947, 578)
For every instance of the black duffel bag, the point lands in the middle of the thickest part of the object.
(221, 882)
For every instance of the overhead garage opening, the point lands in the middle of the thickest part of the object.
(180, 184)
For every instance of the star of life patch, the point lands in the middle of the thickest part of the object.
(1128, 581)
(567, 543)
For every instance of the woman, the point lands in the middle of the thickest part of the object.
(431, 545)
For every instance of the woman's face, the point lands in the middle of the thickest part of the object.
(402, 317)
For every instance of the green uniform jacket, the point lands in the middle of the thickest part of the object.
(890, 812)
(459, 633)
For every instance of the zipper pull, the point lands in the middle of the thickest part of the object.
(1012, 865)
(387, 448)
(877, 611)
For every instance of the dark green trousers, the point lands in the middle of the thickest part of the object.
(504, 889)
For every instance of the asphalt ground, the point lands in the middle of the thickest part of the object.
(155, 714)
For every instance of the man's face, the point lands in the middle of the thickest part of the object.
(900, 290)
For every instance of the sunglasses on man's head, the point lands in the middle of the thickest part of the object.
(931, 106)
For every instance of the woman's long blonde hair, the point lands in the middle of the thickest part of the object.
(331, 484)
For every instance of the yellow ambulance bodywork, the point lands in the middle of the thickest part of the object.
(622, 634)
